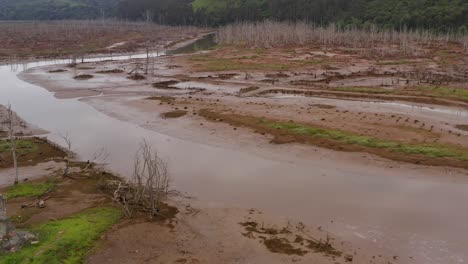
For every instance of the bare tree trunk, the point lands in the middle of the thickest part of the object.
(67, 140)
(15, 163)
(13, 140)
(147, 59)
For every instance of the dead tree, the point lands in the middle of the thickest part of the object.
(147, 59)
(151, 177)
(67, 140)
(13, 140)
(148, 186)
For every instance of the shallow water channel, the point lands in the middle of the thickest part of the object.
(407, 210)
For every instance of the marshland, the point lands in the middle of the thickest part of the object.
(208, 141)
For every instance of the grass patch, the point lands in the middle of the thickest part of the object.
(363, 90)
(29, 189)
(58, 70)
(22, 146)
(136, 77)
(323, 247)
(166, 84)
(67, 240)
(462, 127)
(30, 151)
(428, 150)
(248, 89)
(23, 217)
(276, 240)
(83, 77)
(111, 71)
(174, 114)
(163, 99)
(282, 246)
(440, 91)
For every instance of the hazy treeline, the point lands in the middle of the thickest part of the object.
(442, 15)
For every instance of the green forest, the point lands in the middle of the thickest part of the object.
(441, 15)
(56, 9)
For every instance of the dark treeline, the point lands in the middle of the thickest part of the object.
(441, 15)
(56, 9)
(174, 12)
(429, 14)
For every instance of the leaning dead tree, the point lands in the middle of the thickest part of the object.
(12, 139)
(148, 186)
(70, 154)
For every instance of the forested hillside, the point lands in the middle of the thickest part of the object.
(431, 14)
(55, 9)
(439, 14)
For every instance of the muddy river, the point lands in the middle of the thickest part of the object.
(414, 212)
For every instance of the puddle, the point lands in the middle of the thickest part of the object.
(420, 108)
(115, 45)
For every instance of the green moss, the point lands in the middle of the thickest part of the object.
(29, 189)
(428, 150)
(67, 240)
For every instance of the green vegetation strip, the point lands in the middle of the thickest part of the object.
(364, 90)
(447, 92)
(429, 91)
(22, 146)
(29, 189)
(428, 150)
(67, 240)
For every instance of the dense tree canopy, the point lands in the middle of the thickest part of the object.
(431, 14)
(435, 14)
(55, 9)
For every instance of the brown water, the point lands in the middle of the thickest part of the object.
(407, 210)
